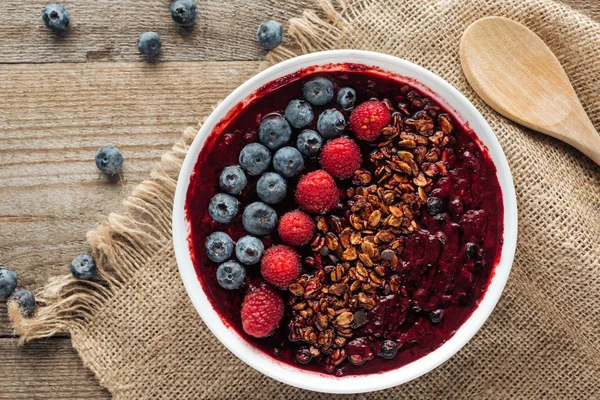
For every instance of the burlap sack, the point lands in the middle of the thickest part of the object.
(138, 332)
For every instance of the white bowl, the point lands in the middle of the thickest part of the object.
(443, 93)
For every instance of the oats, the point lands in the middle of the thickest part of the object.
(322, 224)
(296, 289)
(445, 123)
(331, 241)
(366, 260)
(349, 254)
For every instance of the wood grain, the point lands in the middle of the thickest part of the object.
(107, 30)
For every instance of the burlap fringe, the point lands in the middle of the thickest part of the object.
(66, 304)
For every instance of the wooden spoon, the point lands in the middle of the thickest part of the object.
(514, 72)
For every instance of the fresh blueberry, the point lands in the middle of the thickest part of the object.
(8, 282)
(331, 123)
(25, 301)
(109, 160)
(56, 17)
(346, 98)
(233, 180)
(223, 208)
(274, 131)
(436, 316)
(299, 113)
(83, 267)
(231, 275)
(259, 219)
(435, 205)
(271, 188)
(318, 90)
(309, 143)
(255, 158)
(249, 250)
(184, 12)
(149, 44)
(219, 246)
(389, 349)
(269, 34)
(288, 162)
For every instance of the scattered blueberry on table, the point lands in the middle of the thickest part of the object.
(271, 188)
(56, 17)
(231, 275)
(184, 12)
(25, 300)
(249, 250)
(149, 44)
(83, 267)
(109, 160)
(269, 34)
(8, 282)
(219, 246)
(233, 180)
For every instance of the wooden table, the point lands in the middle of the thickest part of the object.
(61, 98)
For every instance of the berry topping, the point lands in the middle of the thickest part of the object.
(388, 350)
(271, 188)
(25, 300)
(281, 266)
(274, 131)
(317, 192)
(249, 250)
(223, 208)
(8, 282)
(346, 98)
(318, 90)
(331, 123)
(184, 12)
(340, 157)
(435, 205)
(368, 118)
(149, 44)
(233, 180)
(219, 246)
(56, 17)
(262, 311)
(109, 159)
(255, 158)
(83, 267)
(309, 143)
(259, 219)
(231, 275)
(288, 162)
(296, 228)
(299, 113)
(269, 34)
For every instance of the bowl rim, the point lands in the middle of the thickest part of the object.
(443, 92)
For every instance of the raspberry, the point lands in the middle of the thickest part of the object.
(262, 311)
(368, 118)
(281, 266)
(296, 228)
(317, 193)
(341, 157)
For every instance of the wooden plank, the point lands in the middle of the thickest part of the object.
(51, 193)
(107, 30)
(48, 369)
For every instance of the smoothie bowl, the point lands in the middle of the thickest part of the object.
(345, 221)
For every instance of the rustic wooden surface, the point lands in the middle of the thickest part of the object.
(62, 97)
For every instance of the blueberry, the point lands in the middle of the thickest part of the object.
(223, 208)
(472, 251)
(389, 349)
(233, 180)
(249, 250)
(331, 123)
(274, 131)
(435, 205)
(109, 160)
(269, 34)
(288, 162)
(184, 12)
(271, 188)
(346, 98)
(309, 143)
(8, 282)
(318, 90)
(231, 275)
(299, 113)
(436, 316)
(56, 17)
(255, 158)
(259, 219)
(219, 246)
(24, 300)
(83, 267)
(149, 44)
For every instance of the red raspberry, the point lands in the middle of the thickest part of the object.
(262, 311)
(280, 266)
(316, 192)
(341, 157)
(296, 228)
(368, 118)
